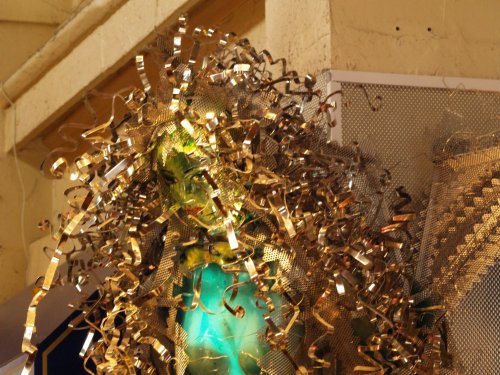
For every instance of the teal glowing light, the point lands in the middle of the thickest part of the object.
(222, 343)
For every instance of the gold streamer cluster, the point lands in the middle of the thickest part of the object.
(227, 161)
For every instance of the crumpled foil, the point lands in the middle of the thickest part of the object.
(230, 151)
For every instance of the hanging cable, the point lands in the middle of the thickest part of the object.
(19, 174)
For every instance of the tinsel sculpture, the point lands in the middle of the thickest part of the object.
(237, 239)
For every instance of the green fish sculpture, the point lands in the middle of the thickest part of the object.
(218, 340)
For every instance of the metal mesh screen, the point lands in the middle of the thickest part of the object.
(443, 146)
(412, 123)
(475, 328)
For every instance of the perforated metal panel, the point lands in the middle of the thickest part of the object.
(420, 134)
(475, 328)
(412, 123)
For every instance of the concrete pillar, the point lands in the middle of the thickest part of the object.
(300, 30)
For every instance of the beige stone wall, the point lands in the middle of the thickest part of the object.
(25, 26)
(16, 50)
(454, 38)
(300, 31)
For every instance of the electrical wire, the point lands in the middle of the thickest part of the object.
(19, 173)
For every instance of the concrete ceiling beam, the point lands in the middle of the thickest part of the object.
(103, 51)
(91, 14)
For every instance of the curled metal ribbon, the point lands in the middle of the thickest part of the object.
(225, 161)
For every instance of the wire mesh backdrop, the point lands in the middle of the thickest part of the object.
(443, 146)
